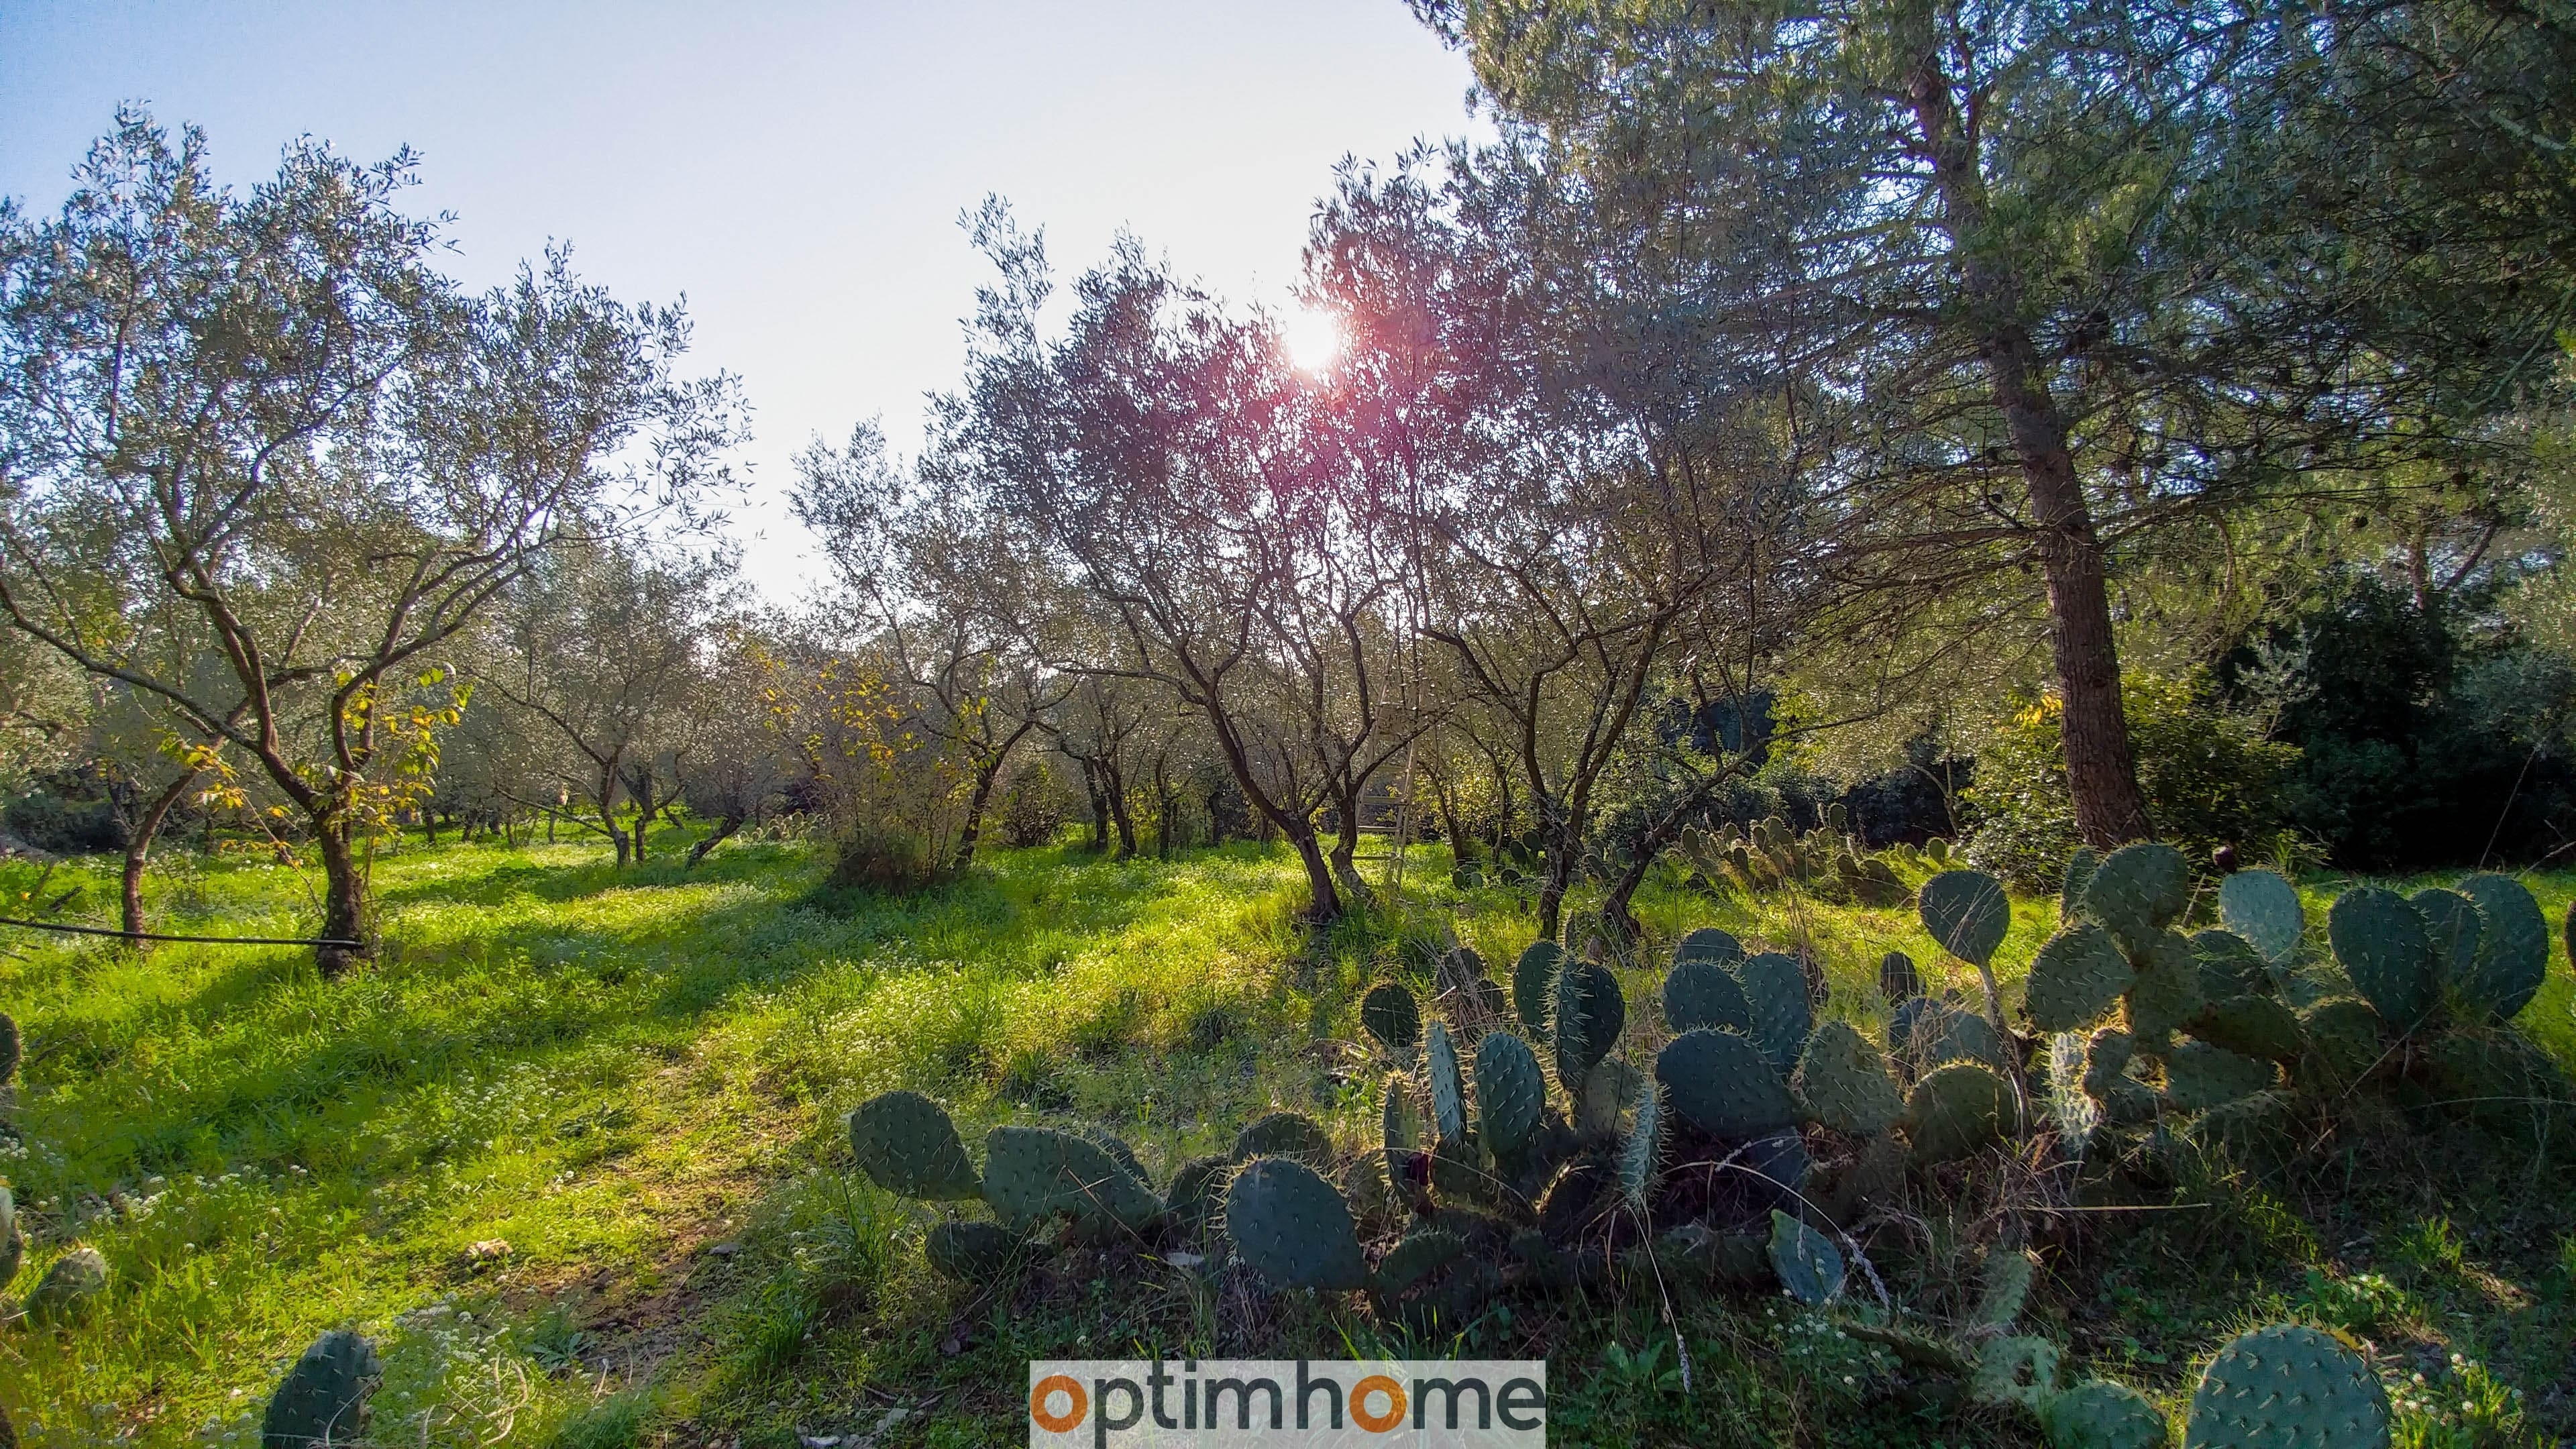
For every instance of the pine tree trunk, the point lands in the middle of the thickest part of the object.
(2101, 773)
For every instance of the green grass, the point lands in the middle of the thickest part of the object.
(634, 1081)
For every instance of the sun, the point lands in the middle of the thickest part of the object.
(1313, 339)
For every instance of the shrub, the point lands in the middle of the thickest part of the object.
(884, 856)
(1032, 805)
(2209, 776)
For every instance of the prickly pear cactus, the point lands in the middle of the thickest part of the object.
(2102, 1415)
(2018, 1370)
(2255, 1026)
(1589, 1013)
(1898, 981)
(324, 1398)
(2079, 874)
(1285, 1134)
(1533, 978)
(2166, 995)
(2199, 1076)
(1390, 1014)
(2137, 891)
(2287, 1387)
(1719, 1082)
(1511, 1095)
(1643, 1148)
(1775, 987)
(2343, 1041)
(2452, 924)
(2003, 1287)
(1844, 1081)
(1810, 1266)
(2078, 975)
(1198, 1194)
(972, 1251)
(1292, 1227)
(907, 1145)
(1967, 913)
(1708, 943)
(1448, 1089)
(1700, 992)
(2381, 941)
(2513, 953)
(2263, 907)
(1032, 1174)
(1940, 1033)
(1956, 1111)
(2229, 965)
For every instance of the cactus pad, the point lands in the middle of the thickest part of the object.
(1390, 1014)
(2343, 1039)
(2229, 965)
(1292, 1227)
(1285, 1134)
(2003, 1287)
(1032, 1174)
(2257, 1026)
(2137, 891)
(323, 1399)
(2381, 941)
(1511, 1093)
(1956, 1111)
(2015, 1370)
(1966, 912)
(2287, 1387)
(906, 1144)
(70, 1288)
(1643, 1148)
(2102, 1415)
(2513, 954)
(2199, 1076)
(1448, 1089)
(1843, 1079)
(2079, 873)
(1942, 1032)
(2451, 923)
(1708, 943)
(1589, 1014)
(2077, 976)
(1198, 1193)
(973, 1251)
(1718, 1081)
(1809, 1265)
(2167, 992)
(1701, 993)
(1898, 981)
(1420, 1255)
(1533, 977)
(2263, 907)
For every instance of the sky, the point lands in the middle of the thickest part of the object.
(795, 170)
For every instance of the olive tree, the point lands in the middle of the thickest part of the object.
(294, 428)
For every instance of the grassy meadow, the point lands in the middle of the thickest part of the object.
(571, 1153)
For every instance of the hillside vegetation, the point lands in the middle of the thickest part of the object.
(572, 1155)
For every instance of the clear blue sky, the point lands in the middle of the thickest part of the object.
(796, 170)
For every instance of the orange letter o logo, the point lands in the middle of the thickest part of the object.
(1048, 1388)
(1377, 1384)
